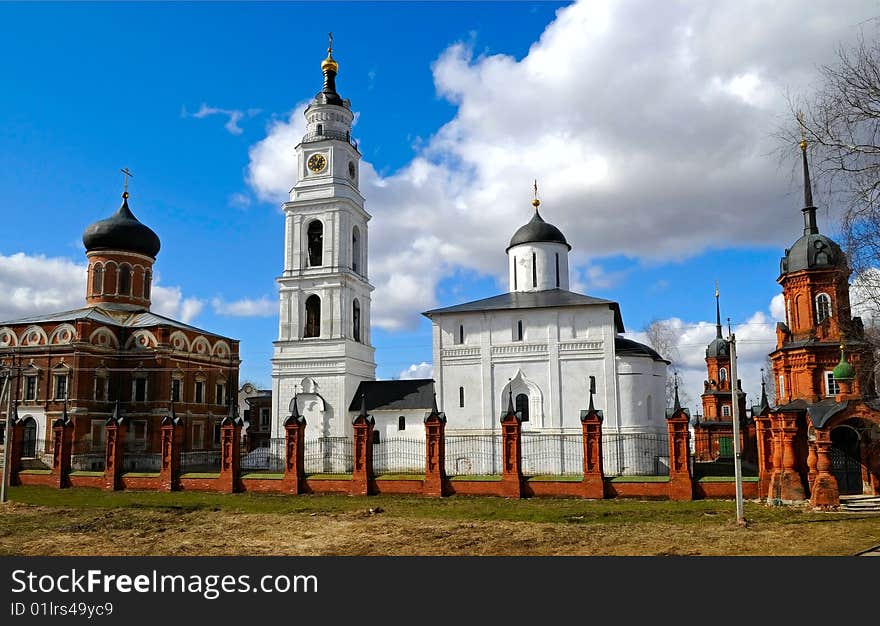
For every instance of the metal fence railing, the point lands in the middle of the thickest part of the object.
(399, 455)
(552, 454)
(328, 455)
(635, 454)
(269, 458)
(200, 461)
(473, 455)
(87, 455)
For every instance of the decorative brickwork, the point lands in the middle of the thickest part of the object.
(230, 455)
(62, 444)
(435, 452)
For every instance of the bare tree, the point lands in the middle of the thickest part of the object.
(664, 339)
(840, 121)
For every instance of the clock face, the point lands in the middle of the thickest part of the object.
(317, 162)
(351, 170)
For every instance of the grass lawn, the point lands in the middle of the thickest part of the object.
(44, 520)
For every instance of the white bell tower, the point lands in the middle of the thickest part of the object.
(323, 350)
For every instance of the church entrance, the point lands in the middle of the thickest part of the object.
(845, 460)
(29, 438)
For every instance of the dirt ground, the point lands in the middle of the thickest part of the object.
(39, 530)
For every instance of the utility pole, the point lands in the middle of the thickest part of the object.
(7, 387)
(737, 452)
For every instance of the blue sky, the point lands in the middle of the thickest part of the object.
(659, 196)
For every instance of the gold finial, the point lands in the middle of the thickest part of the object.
(716, 289)
(800, 119)
(128, 175)
(330, 63)
(536, 203)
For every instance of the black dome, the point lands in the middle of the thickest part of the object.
(121, 231)
(812, 251)
(537, 230)
(718, 348)
(628, 347)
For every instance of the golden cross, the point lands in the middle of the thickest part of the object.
(536, 203)
(536, 188)
(800, 119)
(716, 289)
(330, 45)
(128, 174)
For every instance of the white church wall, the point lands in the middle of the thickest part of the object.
(575, 377)
(543, 256)
(642, 395)
(466, 376)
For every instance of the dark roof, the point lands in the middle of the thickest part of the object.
(718, 348)
(537, 230)
(393, 395)
(812, 251)
(531, 300)
(628, 347)
(121, 231)
(127, 316)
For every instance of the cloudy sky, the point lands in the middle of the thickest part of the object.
(648, 125)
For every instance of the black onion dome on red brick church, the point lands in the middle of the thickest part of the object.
(122, 231)
(537, 230)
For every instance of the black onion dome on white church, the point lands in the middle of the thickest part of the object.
(537, 231)
(122, 231)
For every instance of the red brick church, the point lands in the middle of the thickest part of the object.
(822, 440)
(115, 359)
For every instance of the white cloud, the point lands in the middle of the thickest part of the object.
(420, 370)
(234, 116)
(246, 307)
(649, 138)
(239, 200)
(36, 285)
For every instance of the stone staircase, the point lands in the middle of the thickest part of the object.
(860, 504)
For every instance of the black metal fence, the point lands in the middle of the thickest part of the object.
(552, 454)
(269, 458)
(200, 461)
(399, 455)
(635, 454)
(329, 455)
(473, 455)
(87, 455)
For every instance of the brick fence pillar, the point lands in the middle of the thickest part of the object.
(115, 431)
(785, 483)
(681, 484)
(62, 446)
(593, 485)
(14, 448)
(764, 440)
(294, 452)
(511, 446)
(812, 461)
(230, 454)
(435, 452)
(172, 440)
(824, 488)
(362, 473)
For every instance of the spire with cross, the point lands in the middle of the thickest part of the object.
(128, 175)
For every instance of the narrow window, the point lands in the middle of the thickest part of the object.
(140, 389)
(30, 387)
(3, 433)
(522, 407)
(148, 278)
(460, 333)
(200, 391)
(175, 390)
(831, 386)
(519, 330)
(124, 280)
(265, 417)
(823, 307)
(98, 279)
(356, 320)
(461, 397)
(313, 316)
(316, 243)
(100, 388)
(534, 270)
(355, 250)
(781, 386)
(722, 374)
(725, 410)
(60, 386)
(220, 394)
(401, 423)
(218, 433)
(557, 270)
(514, 273)
(320, 129)
(376, 438)
(198, 436)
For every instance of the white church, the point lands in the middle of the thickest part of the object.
(538, 344)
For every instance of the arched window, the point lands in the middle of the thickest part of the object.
(316, 243)
(313, 316)
(124, 280)
(401, 423)
(29, 438)
(780, 387)
(98, 279)
(356, 250)
(460, 333)
(461, 396)
(515, 271)
(534, 270)
(320, 129)
(823, 307)
(725, 410)
(522, 407)
(557, 270)
(722, 374)
(148, 278)
(519, 330)
(356, 320)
